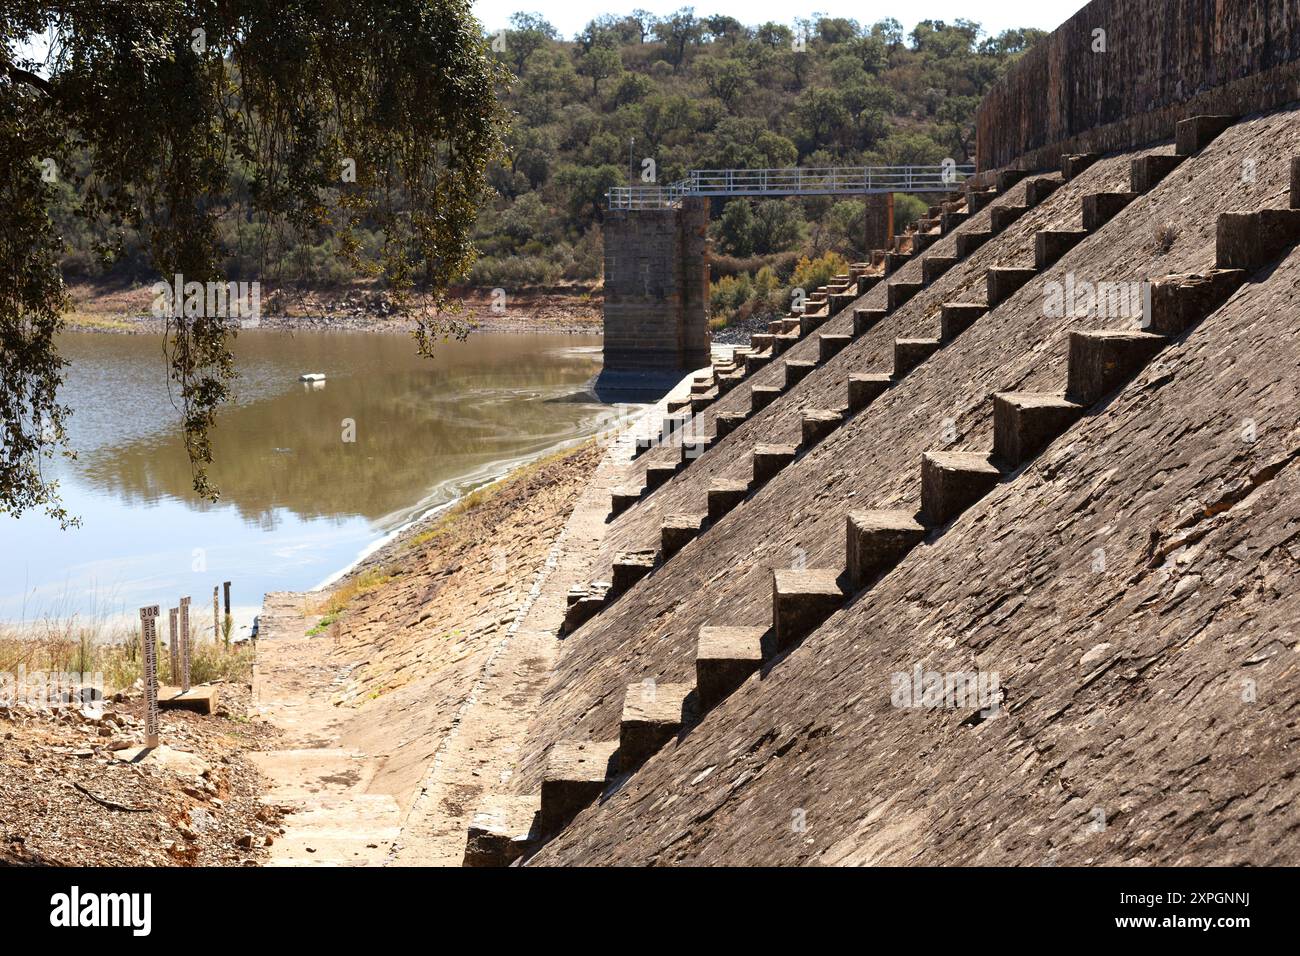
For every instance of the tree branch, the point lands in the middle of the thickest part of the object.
(31, 79)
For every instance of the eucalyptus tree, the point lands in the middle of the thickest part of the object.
(338, 113)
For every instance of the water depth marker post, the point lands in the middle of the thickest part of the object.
(173, 648)
(149, 640)
(185, 645)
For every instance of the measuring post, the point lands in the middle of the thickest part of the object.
(216, 618)
(172, 646)
(149, 638)
(185, 645)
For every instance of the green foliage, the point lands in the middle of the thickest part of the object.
(159, 112)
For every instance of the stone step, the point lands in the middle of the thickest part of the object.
(503, 829)
(956, 317)
(1075, 163)
(801, 601)
(678, 531)
(1193, 134)
(791, 324)
(898, 293)
(776, 326)
(1039, 188)
(977, 199)
(761, 396)
(693, 448)
(658, 474)
(968, 242)
(1007, 178)
(1251, 240)
(1295, 183)
(808, 324)
(864, 319)
(725, 657)
(770, 459)
(952, 481)
(782, 343)
(1101, 208)
(629, 568)
(1004, 281)
(876, 541)
(700, 402)
(1000, 217)
(723, 495)
(817, 423)
(951, 220)
(1024, 423)
(575, 775)
(829, 345)
(1178, 302)
(909, 353)
(841, 300)
(724, 425)
(762, 341)
(895, 261)
(865, 387)
(1145, 172)
(796, 370)
(1051, 244)
(755, 361)
(867, 282)
(1102, 360)
(584, 606)
(932, 267)
(653, 714)
(622, 498)
(922, 241)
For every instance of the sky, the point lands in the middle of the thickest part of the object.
(570, 16)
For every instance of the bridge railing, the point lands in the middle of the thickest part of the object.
(799, 181)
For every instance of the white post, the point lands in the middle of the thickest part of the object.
(149, 638)
(172, 646)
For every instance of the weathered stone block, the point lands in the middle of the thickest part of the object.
(796, 370)
(952, 481)
(1004, 281)
(724, 659)
(977, 199)
(1193, 134)
(932, 267)
(1038, 189)
(1000, 217)
(659, 473)
(502, 830)
(865, 387)
(864, 319)
(653, 714)
(770, 459)
(724, 425)
(582, 610)
(1251, 240)
(783, 342)
(951, 220)
(1051, 244)
(678, 531)
(801, 601)
(622, 498)
(909, 353)
(575, 776)
(1007, 178)
(1177, 302)
(968, 242)
(1024, 423)
(876, 541)
(1075, 163)
(199, 699)
(817, 423)
(899, 292)
(1101, 360)
(956, 317)
(724, 495)
(761, 396)
(629, 568)
(761, 341)
(1101, 208)
(1295, 183)
(756, 360)
(830, 345)
(895, 261)
(1146, 171)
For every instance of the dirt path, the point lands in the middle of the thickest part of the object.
(392, 736)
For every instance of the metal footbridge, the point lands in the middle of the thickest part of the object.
(827, 181)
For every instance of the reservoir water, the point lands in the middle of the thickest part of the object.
(310, 474)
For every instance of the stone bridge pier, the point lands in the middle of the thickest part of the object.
(656, 297)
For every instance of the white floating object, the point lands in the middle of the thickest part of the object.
(312, 377)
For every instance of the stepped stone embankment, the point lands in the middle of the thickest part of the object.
(944, 592)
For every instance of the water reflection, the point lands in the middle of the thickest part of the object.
(308, 472)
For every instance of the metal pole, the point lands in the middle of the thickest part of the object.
(149, 638)
(216, 617)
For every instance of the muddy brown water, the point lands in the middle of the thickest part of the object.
(310, 475)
